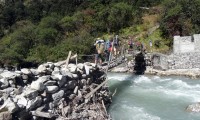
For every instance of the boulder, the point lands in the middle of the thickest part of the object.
(84, 76)
(9, 75)
(71, 84)
(67, 74)
(22, 101)
(34, 72)
(58, 95)
(26, 71)
(41, 69)
(72, 68)
(4, 83)
(11, 105)
(61, 79)
(50, 83)
(25, 77)
(37, 85)
(51, 89)
(43, 79)
(34, 103)
(75, 76)
(55, 72)
(80, 66)
(51, 65)
(30, 93)
(193, 108)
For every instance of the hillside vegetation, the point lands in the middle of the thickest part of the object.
(45, 30)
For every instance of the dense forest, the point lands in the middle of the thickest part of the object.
(45, 30)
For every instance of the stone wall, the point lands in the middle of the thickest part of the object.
(54, 91)
(176, 61)
(197, 42)
(184, 60)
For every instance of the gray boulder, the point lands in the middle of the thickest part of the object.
(72, 68)
(4, 83)
(193, 108)
(51, 89)
(37, 85)
(41, 69)
(34, 103)
(50, 83)
(22, 101)
(58, 95)
(34, 72)
(26, 71)
(43, 79)
(30, 93)
(11, 106)
(80, 66)
(9, 75)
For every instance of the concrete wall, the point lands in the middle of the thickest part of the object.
(183, 44)
(186, 44)
(197, 42)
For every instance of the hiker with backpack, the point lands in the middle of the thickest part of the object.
(130, 43)
(108, 47)
(100, 47)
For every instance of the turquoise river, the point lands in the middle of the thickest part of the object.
(152, 97)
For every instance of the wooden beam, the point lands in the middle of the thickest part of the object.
(94, 90)
(68, 57)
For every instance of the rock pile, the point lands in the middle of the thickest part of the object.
(54, 91)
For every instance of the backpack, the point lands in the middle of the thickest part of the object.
(100, 47)
(130, 42)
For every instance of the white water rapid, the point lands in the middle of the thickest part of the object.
(152, 97)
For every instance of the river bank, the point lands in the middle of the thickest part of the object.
(129, 68)
(193, 73)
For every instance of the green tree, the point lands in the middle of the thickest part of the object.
(15, 47)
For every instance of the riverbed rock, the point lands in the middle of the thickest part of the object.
(193, 108)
